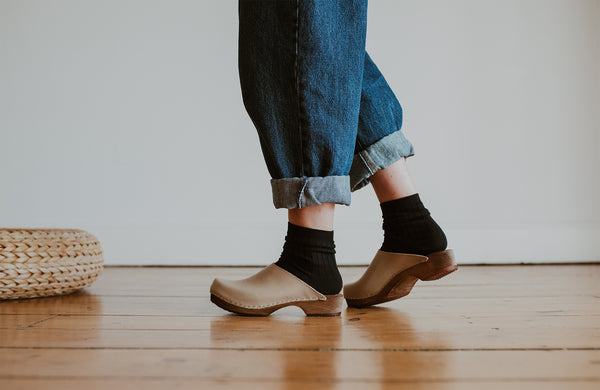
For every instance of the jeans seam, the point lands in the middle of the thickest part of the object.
(368, 162)
(305, 180)
(297, 74)
(365, 163)
(360, 144)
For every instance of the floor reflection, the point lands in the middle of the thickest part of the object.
(78, 302)
(58, 324)
(374, 345)
(292, 342)
(398, 351)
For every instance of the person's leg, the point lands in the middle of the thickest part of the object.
(379, 140)
(301, 68)
(414, 244)
(407, 224)
(380, 158)
(301, 65)
(393, 182)
(309, 249)
(315, 217)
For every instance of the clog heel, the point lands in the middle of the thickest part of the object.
(332, 306)
(438, 265)
(392, 275)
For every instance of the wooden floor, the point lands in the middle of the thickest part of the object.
(486, 327)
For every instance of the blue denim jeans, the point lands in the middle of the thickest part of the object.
(326, 117)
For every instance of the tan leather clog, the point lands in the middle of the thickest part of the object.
(393, 275)
(270, 289)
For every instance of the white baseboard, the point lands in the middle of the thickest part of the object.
(260, 246)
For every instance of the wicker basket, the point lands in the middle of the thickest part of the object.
(45, 262)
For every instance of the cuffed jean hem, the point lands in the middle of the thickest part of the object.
(298, 192)
(379, 155)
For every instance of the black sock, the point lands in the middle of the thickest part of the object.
(408, 227)
(309, 254)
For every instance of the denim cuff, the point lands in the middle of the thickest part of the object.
(298, 192)
(379, 155)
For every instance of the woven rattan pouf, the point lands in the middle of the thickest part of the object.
(45, 262)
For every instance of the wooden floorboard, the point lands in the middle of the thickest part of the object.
(482, 327)
(346, 366)
(103, 383)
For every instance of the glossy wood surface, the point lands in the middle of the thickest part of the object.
(486, 327)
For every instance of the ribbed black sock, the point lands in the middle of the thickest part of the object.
(309, 254)
(409, 228)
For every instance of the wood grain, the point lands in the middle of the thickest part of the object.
(483, 327)
(276, 384)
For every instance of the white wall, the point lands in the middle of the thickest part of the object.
(124, 118)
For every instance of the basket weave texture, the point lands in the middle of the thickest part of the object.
(45, 262)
